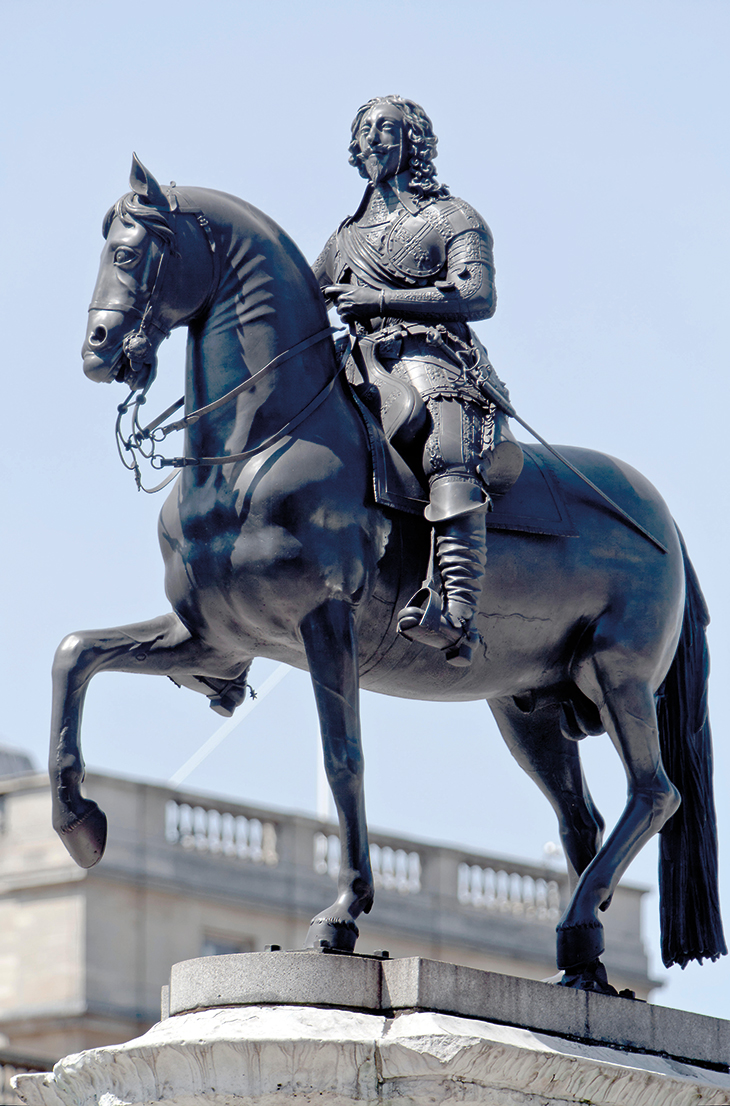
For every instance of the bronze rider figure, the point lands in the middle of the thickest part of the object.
(409, 270)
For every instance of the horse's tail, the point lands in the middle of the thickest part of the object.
(688, 880)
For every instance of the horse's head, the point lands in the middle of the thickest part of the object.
(155, 274)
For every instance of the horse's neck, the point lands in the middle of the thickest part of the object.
(266, 302)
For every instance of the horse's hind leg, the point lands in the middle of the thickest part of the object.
(627, 709)
(331, 644)
(162, 646)
(537, 743)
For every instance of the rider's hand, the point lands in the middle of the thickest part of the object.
(353, 302)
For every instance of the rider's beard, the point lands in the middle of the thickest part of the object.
(381, 164)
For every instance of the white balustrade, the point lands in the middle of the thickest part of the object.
(498, 890)
(327, 854)
(505, 892)
(220, 833)
(393, 869)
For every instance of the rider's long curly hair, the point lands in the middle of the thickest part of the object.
(422, 143)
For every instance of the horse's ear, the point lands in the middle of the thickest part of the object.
(145, 186)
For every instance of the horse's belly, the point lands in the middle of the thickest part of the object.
(542, 601)
(499, 667)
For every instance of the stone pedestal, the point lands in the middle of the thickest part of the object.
(267, 1027)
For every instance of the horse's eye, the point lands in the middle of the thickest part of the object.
(123, 256)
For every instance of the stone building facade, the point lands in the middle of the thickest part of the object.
(83, 954)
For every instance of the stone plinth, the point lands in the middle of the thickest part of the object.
(265, 1027)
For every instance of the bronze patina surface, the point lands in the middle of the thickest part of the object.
(274, 547)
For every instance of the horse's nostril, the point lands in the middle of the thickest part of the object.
(98, 336)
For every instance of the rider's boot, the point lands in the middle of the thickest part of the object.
(457, 509)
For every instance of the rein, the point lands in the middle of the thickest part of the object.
(155, 432)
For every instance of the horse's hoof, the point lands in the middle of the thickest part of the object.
(589, 977)
(85, 837)
(579, 944)
(223, 705)
(230, 694)
(332, 933)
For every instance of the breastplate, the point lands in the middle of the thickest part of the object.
(414, 247)
(409, 247)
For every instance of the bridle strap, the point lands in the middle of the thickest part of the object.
(148, 319)
(145, 313)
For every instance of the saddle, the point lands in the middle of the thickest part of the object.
(397, 406)
(401, 411)
(535, 504)
(525, 491)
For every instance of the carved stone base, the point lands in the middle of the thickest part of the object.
(268, 1053)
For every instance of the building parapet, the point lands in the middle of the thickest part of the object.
(211, 857)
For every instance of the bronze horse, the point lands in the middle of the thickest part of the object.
(274, 547)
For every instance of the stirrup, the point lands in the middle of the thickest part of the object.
(426, 605)
(434, 629)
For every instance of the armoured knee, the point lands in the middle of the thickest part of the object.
(453, 497)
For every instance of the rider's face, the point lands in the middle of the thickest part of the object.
(383, 142)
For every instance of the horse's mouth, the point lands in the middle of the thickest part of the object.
(119, 370)
(124, 373)
(103, 369)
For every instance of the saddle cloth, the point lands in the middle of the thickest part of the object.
(535, 504)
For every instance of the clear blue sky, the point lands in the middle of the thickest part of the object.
(593, 139)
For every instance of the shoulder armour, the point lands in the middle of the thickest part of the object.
(457, 217)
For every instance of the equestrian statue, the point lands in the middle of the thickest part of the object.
(330, 510)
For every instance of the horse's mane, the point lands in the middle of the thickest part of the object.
(129, 210)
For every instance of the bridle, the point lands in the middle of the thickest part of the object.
(137, 347)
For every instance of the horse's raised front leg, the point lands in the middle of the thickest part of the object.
(628, 712)
(537, 743)
(162, 646)
(331, 644)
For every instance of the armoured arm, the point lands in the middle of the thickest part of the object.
(322, 267)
